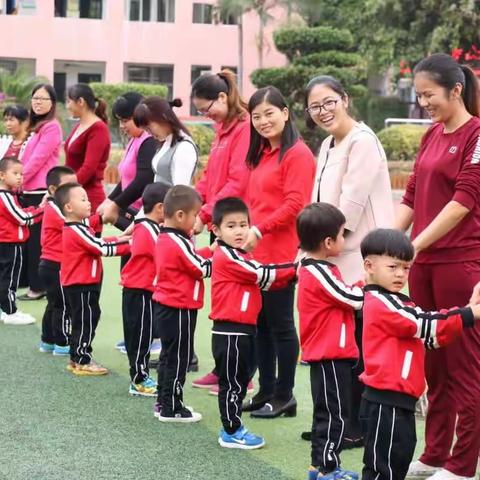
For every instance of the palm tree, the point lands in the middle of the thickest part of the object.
(17, 87)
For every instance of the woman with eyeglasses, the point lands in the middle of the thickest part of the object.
(15, 121)
(40, 154)
(352, 174)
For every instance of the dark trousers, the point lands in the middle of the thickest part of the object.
(33, 248)
(137, 310)
(330, 382)
(277, 343)
(176, 328)
(390, 440)
(233, 357)
(85, 313)
(11, 259)
(56, 319)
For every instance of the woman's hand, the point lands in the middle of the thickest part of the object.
(475, 298)
(251, 241)
(111, 212)
(198, 227)
(101, 207)
(44, 200)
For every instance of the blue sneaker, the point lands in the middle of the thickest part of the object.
(242, 439)
(313, 473)
(340, 474)
(46, 347)
(120, 344)
(123, 350)
(61, 351)
(156, 347)
(147, 388)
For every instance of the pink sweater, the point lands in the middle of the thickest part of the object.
(40, 155)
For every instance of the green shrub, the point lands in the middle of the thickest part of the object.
(331, 58)
(379, 108)
(203, 136)
(401, 142)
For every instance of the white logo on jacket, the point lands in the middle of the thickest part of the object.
(476, 152)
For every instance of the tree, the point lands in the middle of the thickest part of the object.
(17, 87)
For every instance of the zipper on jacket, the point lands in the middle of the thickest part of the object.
(245, 299)
(342, 336)
(94, 268)
(196, 290)
(20, 233)
(407, 363)
(332, 144)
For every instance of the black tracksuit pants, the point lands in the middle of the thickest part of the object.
(233, 355)
(390, 440)
(330, 382)
(11, 260)
(56, 323)
(137, 311)
(85, 313)
(176, 327)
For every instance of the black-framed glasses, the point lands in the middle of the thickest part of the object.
(206, 110)
(41, 99)
(328, 106)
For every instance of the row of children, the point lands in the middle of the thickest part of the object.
(163, 284)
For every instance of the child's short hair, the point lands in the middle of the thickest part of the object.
(180, 197)
(62, 194)
(387, 241)
(153, 194)
(228, 205)
(7, 162)
(316, 222)
(55, 174)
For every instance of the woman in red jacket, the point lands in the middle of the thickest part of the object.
(442, 202)
(282, 169)
(216, 96)
(88, 146)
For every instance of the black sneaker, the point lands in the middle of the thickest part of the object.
(256, 402)
(276, 407)
(184, 415)
(350, 443)
(306, 436)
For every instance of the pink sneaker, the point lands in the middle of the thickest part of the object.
(208, 381)
(214, 390)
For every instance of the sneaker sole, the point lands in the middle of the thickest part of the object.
(196, 385)
(239, 446)
(83, 373)
(179, 419)
(41, 350)
(58, 354)
(141, 394)
(423, 474)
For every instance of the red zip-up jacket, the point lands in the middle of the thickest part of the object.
(52, 228)
(395, 335)
(82, 254)
(15, 220)
(325, 305)
(180, 270)
(277, 192)
(447, 168)
(226, 174)
(139, 272)
(237, 280)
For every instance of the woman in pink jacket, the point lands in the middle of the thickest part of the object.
(39, 156)
(216, 96)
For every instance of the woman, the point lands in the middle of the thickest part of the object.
(15, 120)
(350, 150)
(441, 201)
(216, 96)
(40, 154)
(136, 166)
(280, 185)
(88, 146)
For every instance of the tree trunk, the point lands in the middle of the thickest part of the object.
(261, 40)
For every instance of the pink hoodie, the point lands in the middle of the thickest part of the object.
(40, 155)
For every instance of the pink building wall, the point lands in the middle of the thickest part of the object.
(117, 41)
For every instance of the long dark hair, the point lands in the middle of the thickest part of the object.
(210, 85)
(94, 104)
(37, 121)
(447, 72)
(290, 133)
(157, 109)
(124, 105)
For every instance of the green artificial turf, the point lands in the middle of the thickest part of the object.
(54, 425)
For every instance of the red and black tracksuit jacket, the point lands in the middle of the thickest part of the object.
(237, 281)
(325, 305)
(15, 220)
(395, 335)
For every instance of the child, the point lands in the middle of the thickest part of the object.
(81, 274)
(395, 335)
(327, 334)
(236, 302)
(14, 223)
(177, 297)
(56, 319)
(137, 279)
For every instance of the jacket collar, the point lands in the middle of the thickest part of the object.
(384, 291)
(313, 261)
(176, 231)
(223, 244)
(146, 220)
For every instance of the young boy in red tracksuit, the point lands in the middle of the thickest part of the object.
(327, 334)
(395, 335)
(177, 297)
(14, 223)
(81, 274)
(237, 281)
(138, 276)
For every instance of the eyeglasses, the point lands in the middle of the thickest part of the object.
(41, 99)
(205, 111)
(328, 106)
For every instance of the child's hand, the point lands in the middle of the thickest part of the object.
(198, 227)
(251, 241)
(44, 200)
(129, 230)
(476, 311)
(213, 246)
(475, 298)
(124, 238)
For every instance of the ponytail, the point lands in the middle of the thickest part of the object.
(94, 104)
(101, 109)
(471, 91)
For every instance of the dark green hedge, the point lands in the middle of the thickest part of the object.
(329, 58)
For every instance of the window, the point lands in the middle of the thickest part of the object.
(9, 66)
(228, 19)
(197, 71)
(151, 10)
(202, 13)
(18, 7)
(89, 77)
(79, 8)
(60, 85)
(162, 74)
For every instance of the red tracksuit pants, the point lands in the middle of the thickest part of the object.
(452, 372)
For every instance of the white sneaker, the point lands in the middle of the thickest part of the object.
(443, 474)
(18, 318)
(3, 315)
(420, 469)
